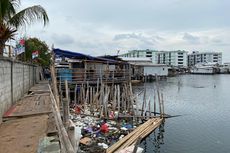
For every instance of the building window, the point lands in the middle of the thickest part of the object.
(180, 63)
(148, 52)
(180, 59)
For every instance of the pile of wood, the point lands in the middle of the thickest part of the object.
(138, 134)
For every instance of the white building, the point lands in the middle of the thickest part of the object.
(142, 54)
(143, 66)
(204, 57)
(171, 58)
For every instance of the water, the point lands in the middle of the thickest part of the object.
(204, 127)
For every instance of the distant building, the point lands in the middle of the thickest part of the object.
(142, 54)
(204, 57)
(143, 66)
(171, 58)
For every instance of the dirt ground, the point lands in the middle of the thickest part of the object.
(22, 135)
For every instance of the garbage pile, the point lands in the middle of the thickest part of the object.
(97, 134)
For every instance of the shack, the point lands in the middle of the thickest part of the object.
(85, 68)
(144, 68)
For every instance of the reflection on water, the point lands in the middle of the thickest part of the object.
(203, 103)
(155, 140)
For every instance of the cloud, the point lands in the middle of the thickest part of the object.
(128, 36)
(191, 38)
(144, 41)
(62, 39)
(102, 26)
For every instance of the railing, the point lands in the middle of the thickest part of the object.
(81, 75)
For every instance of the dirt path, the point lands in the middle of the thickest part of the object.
(22, 135)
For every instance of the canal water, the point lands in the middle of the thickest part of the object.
(203, 101)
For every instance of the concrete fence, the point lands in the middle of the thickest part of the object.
(15, 80)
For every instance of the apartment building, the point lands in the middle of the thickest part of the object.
(172, 58)
(142, 54)
(204, 57)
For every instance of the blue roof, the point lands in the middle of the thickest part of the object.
(70, 54)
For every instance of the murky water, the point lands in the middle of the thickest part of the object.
(204, 127)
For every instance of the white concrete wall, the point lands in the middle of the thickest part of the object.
(160, 71)
(15, 79)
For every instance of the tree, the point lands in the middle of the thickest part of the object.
(34, 44)
(11, 19)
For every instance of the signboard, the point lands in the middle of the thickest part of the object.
(20, 46)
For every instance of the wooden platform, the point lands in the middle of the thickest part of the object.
(138, 134)
(27, 122)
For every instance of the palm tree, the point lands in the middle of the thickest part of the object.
(11, 19)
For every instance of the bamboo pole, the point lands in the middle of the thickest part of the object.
(149, 109)
(65, 141)
(86, 99)
(54, 81)
(162, 103)
(118, 98)
(91, 100)
(154, 103)
(66, 106)
(144, 100)
(114, 102)
(75, 95)
(159, 101)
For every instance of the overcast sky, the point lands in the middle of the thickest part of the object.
(99, 27)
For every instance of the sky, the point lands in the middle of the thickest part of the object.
(102, 27)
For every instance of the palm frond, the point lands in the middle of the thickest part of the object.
(6, 32)
(8, 9)
(29, 16)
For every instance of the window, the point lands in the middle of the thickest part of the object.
(148, 52)
(180, 63)
(148, 55)
(180, 59)
(180, 56)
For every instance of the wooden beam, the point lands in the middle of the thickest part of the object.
(64, 138)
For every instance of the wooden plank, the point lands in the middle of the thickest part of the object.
(141, 131)
(115, 146)
(65, 141)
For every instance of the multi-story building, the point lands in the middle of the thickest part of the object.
(142, 53)
(171, 58)
(204, 57)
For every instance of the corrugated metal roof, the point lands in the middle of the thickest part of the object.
(76, 55)
(136, 59)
